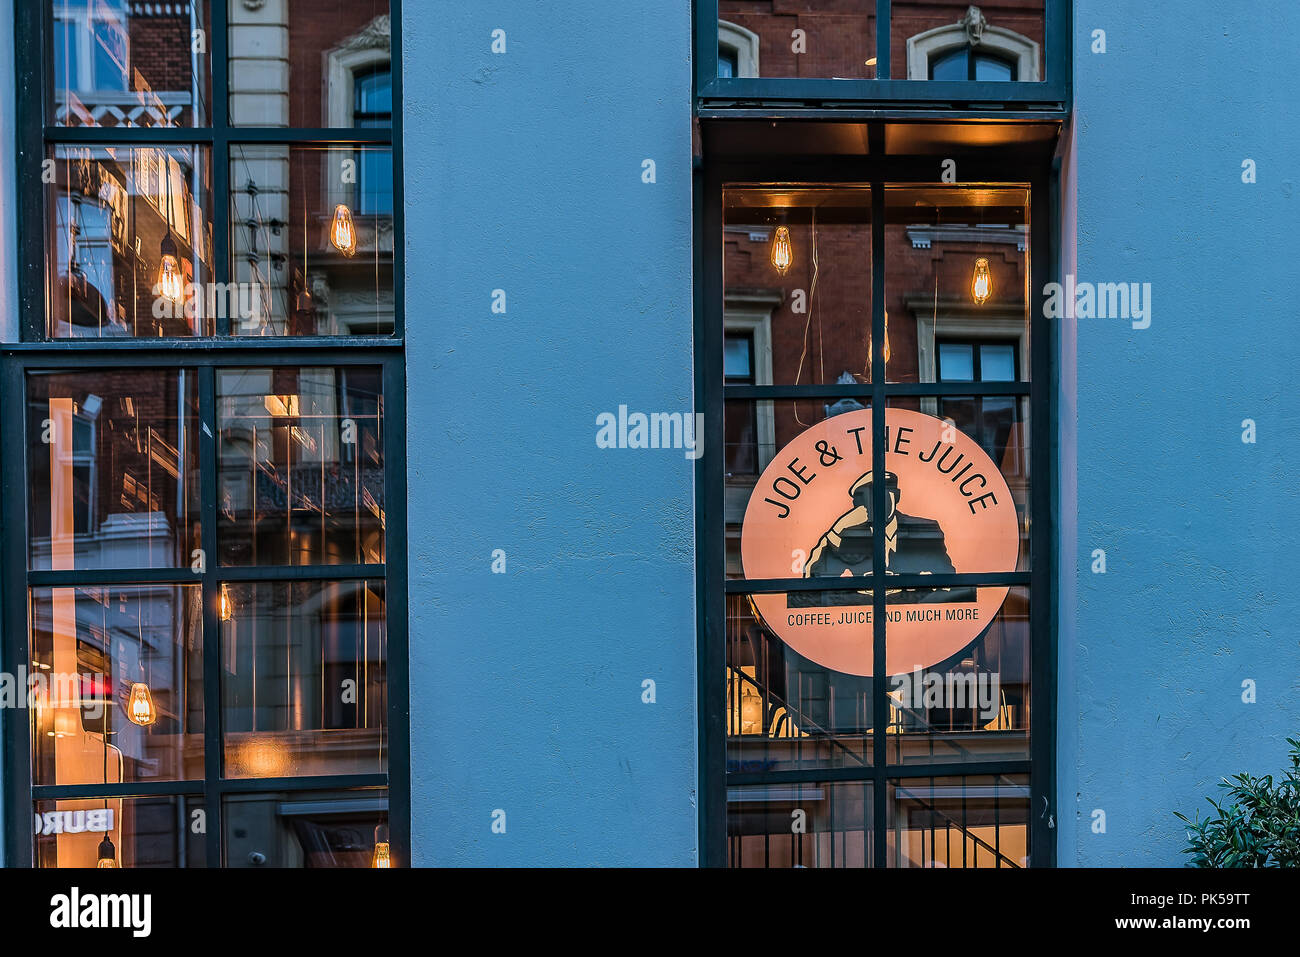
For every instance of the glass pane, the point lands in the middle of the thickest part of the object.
(793, 700)
(112, 462)
(988, 68)
(978, 821)
(374, 97)
(118, 63)
(119, 675)
(833, 39)
(735, 360)
(785, 709)
(304, 678)
(998, 363)
(772, 469)
(727, 58)
(297, 62)
(301, 463)
(312, 232)
(743, 449)
(141, 832)
(959, 675)
(956, 270)
(800, 825)
(797, 274)
(968, 470)
(926, 38)
(304, 829)
(956, 362)
(129, 240)
(951, 66)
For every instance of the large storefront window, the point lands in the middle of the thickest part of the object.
(879, 699)
(202, 490)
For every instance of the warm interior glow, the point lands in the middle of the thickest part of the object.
(227, 606)
(751, 710)
(140, 708)
(343, 234)
(263, 755)
(782, 253)
(747, 712)
(281, 404)
(981, 285)
(65, 723)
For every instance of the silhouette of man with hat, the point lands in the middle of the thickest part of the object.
(913, 546)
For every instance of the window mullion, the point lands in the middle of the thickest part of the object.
(17, 739)
(883, 18)
(212, 738)
(879, 685)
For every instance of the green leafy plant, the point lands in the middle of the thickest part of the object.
(1257, 824)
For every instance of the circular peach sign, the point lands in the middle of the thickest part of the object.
(948, 511)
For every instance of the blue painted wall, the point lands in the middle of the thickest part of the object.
(526, 687)
(523, 172)
(1199, 528)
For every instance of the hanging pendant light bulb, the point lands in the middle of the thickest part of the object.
(227, 606)
(343, 234)
(170, 283)
(383, 856)
(782, 253)
(139, 707)
(981, 284)
(107, 854)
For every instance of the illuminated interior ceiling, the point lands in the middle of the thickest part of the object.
(742, 139)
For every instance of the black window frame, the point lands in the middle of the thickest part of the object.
(712, 586)
(36, 352)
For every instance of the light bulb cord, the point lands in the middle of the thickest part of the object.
(812, 307)
(167, 172)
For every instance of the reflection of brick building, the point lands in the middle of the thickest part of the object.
(839, 36)
(819, 331)
(284, 197)
(290, 66)
(114, 209)
(133, 70)
(117, 487)
(160, 47)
